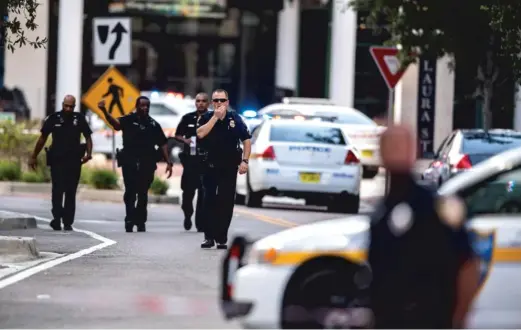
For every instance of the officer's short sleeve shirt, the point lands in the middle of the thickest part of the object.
(66, 130)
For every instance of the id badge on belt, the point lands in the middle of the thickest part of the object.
(193, 146)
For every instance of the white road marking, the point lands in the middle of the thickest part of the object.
(105, 242)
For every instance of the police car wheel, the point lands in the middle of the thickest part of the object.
(369, 172)
(252, 198)
(344, 204)
(317, 289)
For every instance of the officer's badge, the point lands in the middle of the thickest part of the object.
(483, 245)
(452, 211)
(232, 123)
(75, 122)
(401, 219)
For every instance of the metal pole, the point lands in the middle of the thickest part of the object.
(390, 122)
(114, 150)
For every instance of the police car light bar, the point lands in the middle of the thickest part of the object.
(305, 100)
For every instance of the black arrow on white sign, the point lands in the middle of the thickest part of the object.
(119, 30)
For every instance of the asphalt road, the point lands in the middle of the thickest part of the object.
(157, 279)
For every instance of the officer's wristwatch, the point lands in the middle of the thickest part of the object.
(245, 161)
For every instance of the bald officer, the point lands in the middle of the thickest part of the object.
(65, 157)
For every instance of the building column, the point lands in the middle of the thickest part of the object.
(342, 55)
(70, 51)
(517, 108)
(286, 62)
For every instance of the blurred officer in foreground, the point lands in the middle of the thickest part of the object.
(141, 135)
(65, 157)
(220, 132)
(192, 162)
(425, 274)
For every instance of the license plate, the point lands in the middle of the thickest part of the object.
(310, 177)
(367, 153)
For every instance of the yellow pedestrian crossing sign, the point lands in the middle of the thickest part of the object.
(113, 87)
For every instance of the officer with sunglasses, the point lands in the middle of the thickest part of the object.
(192, 160)
(221, 132)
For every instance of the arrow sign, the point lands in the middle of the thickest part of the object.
(118, 30)
(112, 39)
(386, 58)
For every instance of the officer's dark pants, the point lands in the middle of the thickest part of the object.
(192, 181)
(137, 178)
(65, 176)
(219, 186)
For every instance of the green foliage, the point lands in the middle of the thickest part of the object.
(33, 177)
(159, 187)
(103, 179)
(10, 170)
(22, 16)
(86, 174)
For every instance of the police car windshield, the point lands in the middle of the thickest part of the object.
(480, 145)
(351, 118)
(158, 109)
(307, 134)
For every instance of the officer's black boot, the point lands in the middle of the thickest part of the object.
(129, 227)
(141, 228)
(55, 224)
(207, 244)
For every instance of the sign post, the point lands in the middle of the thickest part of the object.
(120, 97)
(386, 59)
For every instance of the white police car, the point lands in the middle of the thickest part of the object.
(302, 159)
(323, 264)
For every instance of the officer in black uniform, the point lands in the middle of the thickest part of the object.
(191, 159)
(220, 132)
(141, 135)
(425, 273)
(65, 157)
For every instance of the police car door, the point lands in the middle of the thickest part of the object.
(242, 179)
(495, 224)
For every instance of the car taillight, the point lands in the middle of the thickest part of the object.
(351, 158)
(464, 163)
(269, 154)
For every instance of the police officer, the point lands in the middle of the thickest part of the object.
(424, 271)
(190, 157)
(65, 157)
(141, 135)
(220, 132)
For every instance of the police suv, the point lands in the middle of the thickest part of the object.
(278, 280)
(307, 159)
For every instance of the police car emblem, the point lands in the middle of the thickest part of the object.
(400, 219)
(483, 245)
(232, 123)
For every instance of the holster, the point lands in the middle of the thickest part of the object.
(48, 157)
(120, 157)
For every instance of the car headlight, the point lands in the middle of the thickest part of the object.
(261, 256)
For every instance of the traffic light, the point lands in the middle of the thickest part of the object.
(257, 5)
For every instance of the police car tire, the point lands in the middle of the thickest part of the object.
(252, 198)
(310, 287)
(369, 173)
(347, 204)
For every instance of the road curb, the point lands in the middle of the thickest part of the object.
(10, 221)
(15, 249)
(84, 193)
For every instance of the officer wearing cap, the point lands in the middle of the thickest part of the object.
(65, 157)
(424, 271)
(141, 135)
(221, 132)
(191, 159)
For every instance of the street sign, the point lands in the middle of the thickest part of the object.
(386, 59)
(119, 94)
(112, 41)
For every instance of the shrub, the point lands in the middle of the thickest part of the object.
(159, 187)
(103, 179)
(86, 174)
(10, 170)
(33, 177)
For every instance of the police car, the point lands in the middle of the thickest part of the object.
(323, 264)
(302, 159)
(362, 130)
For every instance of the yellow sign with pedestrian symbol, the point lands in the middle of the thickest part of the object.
(119, 94)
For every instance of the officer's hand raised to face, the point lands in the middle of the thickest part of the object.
(220, 110)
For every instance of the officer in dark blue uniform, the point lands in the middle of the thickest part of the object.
(425, 273)
(191, 159)
(65, 157)
(141, 135)
(221, 132)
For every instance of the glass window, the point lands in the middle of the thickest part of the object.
(491, 143)
(255, 133)
(307, 134)
(501, 195)
(351, 117)
(161, 110)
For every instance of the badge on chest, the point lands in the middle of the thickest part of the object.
(232, 123)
